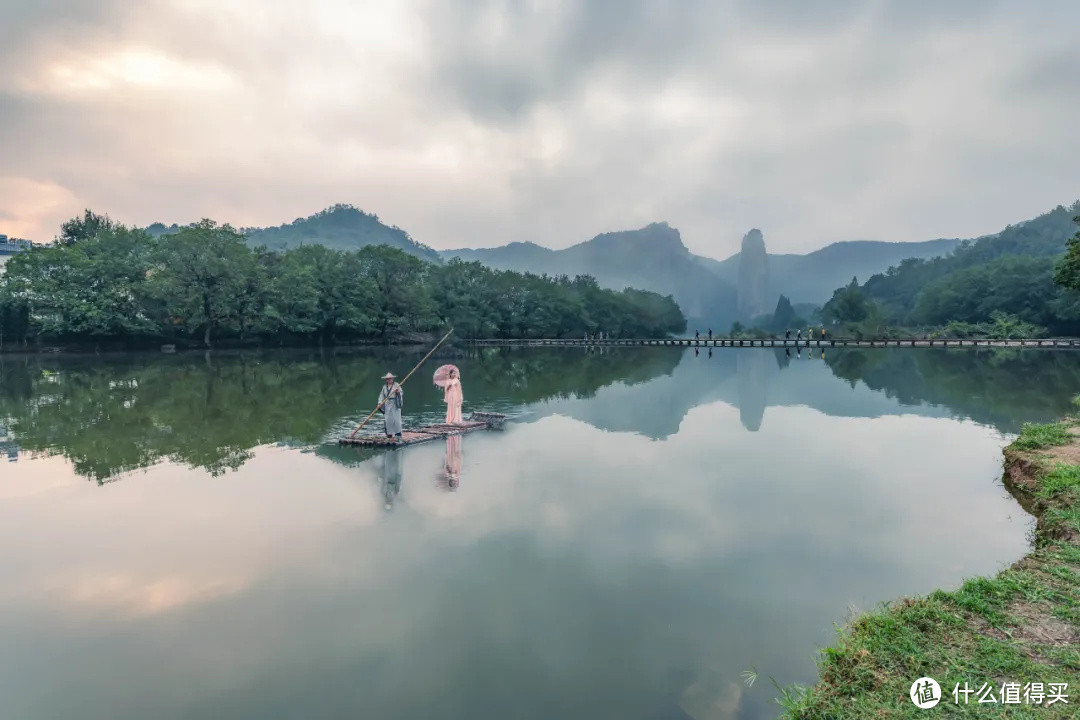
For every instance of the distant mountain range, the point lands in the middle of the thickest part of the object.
(652, 258)
(811, 278)
(707, 290)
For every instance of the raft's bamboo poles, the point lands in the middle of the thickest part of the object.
(361, 425)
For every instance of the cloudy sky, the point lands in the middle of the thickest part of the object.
(479, 122)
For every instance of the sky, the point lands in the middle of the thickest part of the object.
(473, 123)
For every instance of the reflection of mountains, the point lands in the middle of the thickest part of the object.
(1003, 388)
(750, 379)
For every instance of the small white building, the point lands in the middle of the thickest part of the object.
(10, 246)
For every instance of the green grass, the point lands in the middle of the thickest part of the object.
(869, 671)
(1060, 521)
(1036, 437)
(1059, 480)
(1015, 626)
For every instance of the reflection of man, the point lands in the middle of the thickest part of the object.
(392, 394)
(391, 477)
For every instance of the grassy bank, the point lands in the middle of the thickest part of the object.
(1021, 626)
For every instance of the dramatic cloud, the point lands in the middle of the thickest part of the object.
(475, 123)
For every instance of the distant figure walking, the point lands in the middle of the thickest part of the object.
(823, 333)
(787, 334)
(697, 335)
(391, 399)
(710, 333)
(453, 397)
(798, 335)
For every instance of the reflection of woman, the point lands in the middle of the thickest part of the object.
(452, 396)
(451, 472)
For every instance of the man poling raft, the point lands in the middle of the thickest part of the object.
(391, 391)
(391, 399)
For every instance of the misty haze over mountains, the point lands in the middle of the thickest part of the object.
(712, 293)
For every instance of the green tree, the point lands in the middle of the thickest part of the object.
(784, 316)
(14, 319)
(464, 297)
(1067, 272)
(1006, 326)
(199, 273)
(343, 293)
(94, 288)
(848, 305)
(80, 229)
(400, 300)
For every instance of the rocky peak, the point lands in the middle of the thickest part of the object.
(753, 284)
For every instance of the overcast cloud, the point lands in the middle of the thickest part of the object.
(480, 122)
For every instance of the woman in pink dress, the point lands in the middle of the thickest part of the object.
(452, 397)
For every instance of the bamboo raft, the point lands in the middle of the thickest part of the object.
(427, 433)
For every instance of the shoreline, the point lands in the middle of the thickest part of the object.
(422, 340)
(226, 347)
(1019, 626)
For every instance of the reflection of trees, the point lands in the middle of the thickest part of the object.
(528, 375)
(1000, 387)
(112, 416)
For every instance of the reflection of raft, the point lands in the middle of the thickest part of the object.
(476, 421)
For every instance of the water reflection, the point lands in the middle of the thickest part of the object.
(114, 416)
(623, 550)
(7, 446)
(390, 476)
(449, 478)
(753, 370)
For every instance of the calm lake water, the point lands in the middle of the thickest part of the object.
(181, 537)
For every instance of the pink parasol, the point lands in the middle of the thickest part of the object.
(442, 375)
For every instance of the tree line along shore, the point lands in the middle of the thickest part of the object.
(103, 282)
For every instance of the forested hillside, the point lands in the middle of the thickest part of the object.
(1009, 273)
(338, 227)
(204, 282)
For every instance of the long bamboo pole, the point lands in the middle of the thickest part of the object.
(361, 425)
